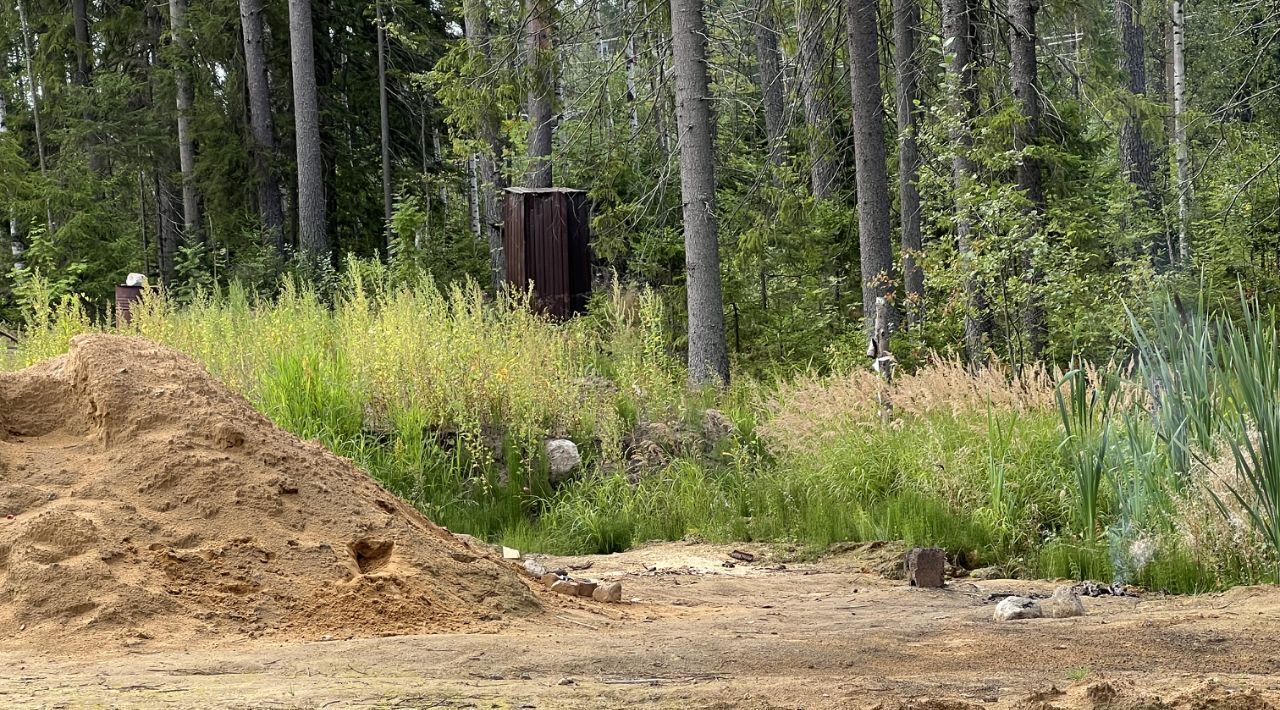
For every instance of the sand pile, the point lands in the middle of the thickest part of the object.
(143, 502)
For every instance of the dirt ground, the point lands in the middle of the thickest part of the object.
(693, 633)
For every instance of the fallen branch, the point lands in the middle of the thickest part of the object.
(657, 681)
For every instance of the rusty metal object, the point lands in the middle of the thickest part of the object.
(126, 296)
(545, 237)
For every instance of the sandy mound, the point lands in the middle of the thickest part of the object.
(140, 499)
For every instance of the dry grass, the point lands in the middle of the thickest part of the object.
(1213, 525)
(812, 409)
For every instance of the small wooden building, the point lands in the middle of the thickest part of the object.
(545, 240)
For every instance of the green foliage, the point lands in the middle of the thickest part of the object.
(1085, 410)
(1253, 353)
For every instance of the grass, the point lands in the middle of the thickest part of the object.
(446, 395)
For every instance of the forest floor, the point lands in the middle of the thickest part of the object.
(774, 633)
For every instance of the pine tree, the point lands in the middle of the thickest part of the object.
(313, 238)
(708, 352)
(875, 247)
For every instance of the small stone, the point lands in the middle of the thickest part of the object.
(1064, 604)
(510, 553)
(611, 592)
(926, 566)
(586, 588)
(550, 578)
(1013, 608)
(226, 436)
(565, 587)
(565, 681)
(535, 568)
(987, 573)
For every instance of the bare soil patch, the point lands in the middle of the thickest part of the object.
(693, 633)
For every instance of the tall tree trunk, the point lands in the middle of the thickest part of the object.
(31, 86)
(270, 210)
(186, 142)
(632, 95)
(473, 196)
(83, 76)
(13, 244)
(80, 21)
(1182, 147)
(541, 61)
(35, 103)
(906, 23)
(1026, 91)
(385, 135)
(875, 247)
(769, 61)
(708, 352)
(169, 236)
(1135, 149)
(824, 163)
(488, 162)
(958, 34)
(313, 239)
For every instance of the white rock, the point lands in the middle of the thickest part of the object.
(1011, 608)
(563, 459)
(510, 553)
(535, 568)
(1064, 603)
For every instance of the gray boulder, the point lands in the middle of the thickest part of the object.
(563, 459)
(1064, 604)
(1013, 608)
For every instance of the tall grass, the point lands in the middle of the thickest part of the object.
(1085, 411)
(1253, 356)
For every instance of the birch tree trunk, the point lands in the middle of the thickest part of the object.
(13, 240)
(906, 23)
(875, 249)
(384, 115)
(264, 142)
(708, 352)
(313, 241)
(1182, 147)
(186, 142)
(31, 84)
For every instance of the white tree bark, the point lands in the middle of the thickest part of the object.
(186, 142)
(1182, 147)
